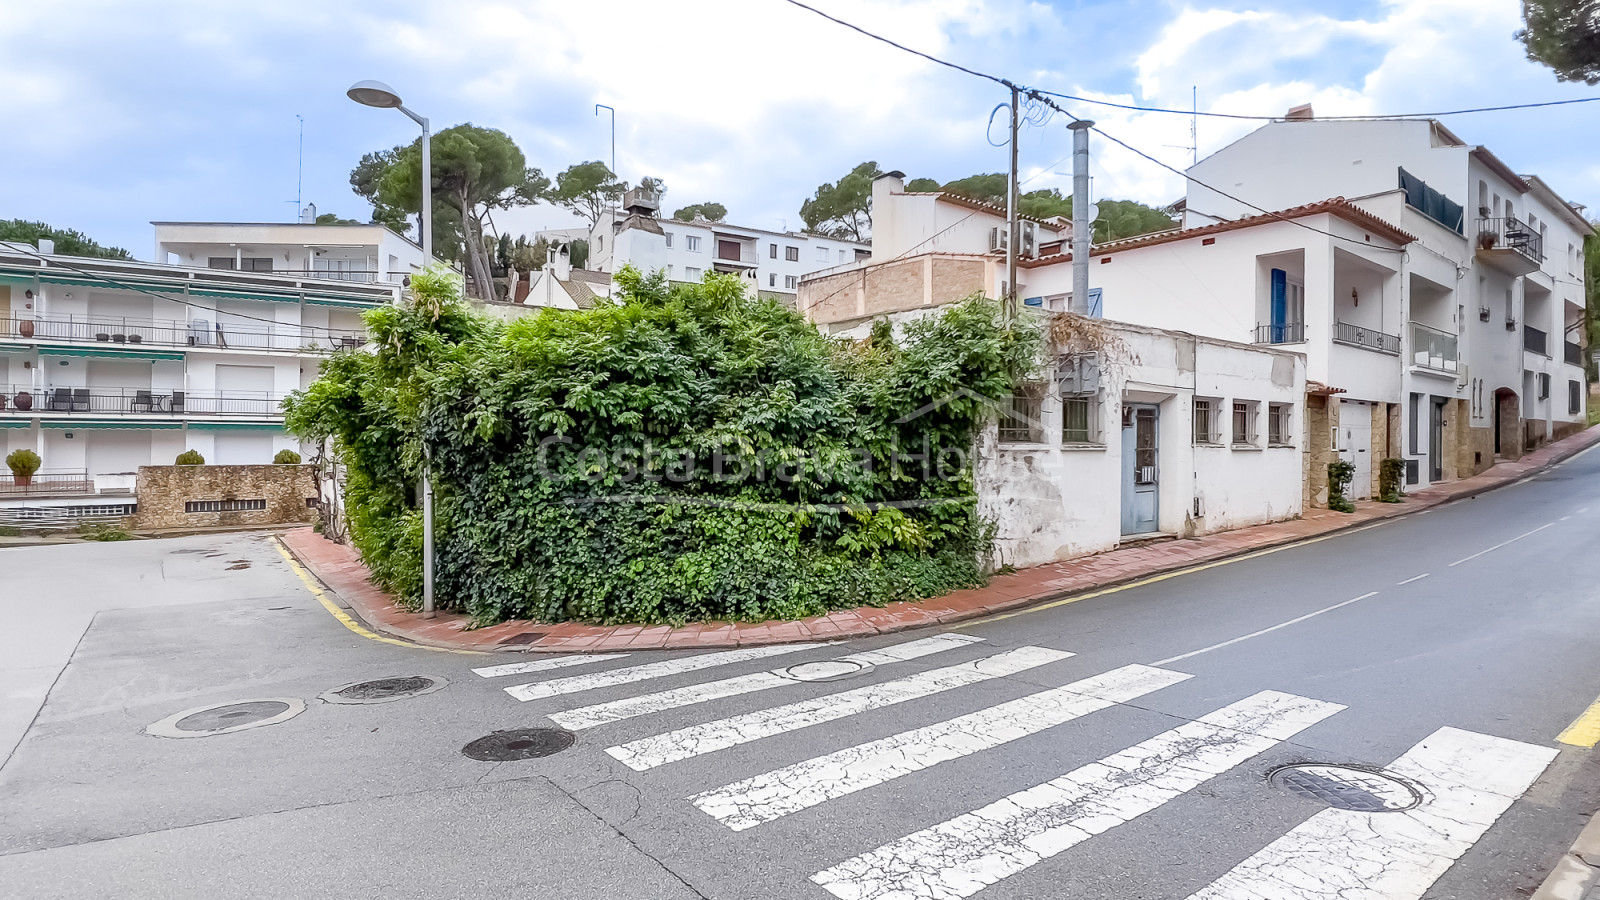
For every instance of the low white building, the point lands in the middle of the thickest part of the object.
(358, 253)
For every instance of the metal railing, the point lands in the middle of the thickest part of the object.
(1433, 349)
(24, 400)
(55, 482)
(1366, 338)
(1513, 234)
(1281, 333)
(66, 518)
(122, 332)
(1535, 341)
(1572, 353)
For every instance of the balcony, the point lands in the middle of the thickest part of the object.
(124, 332)
(1572, 353)
(1535, 341)
(23, 401)
(1366, 338)
(54, 482)
(1281, 333)
(1433, 349)
(1509, 245)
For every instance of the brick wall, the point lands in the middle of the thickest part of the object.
(891, 287)
(165, 491)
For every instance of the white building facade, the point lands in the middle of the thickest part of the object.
(367, 254)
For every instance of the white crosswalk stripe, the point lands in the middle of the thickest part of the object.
(763, 798)
(648, 753)
(644, 704)
(576, 683)
(960, 857)
(545, 665)
(1472, 780)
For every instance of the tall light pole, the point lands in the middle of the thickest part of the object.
(380, 95)
(611, 208)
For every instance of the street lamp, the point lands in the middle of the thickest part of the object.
(380, 95)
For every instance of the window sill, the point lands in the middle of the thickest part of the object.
(1280, 446)
(1256, 447)
(1082, 445)
(1029, 446)
(1212, 444)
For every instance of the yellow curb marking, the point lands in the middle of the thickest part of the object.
(344, 617)
(1584, 730)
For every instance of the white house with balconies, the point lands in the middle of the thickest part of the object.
(107, 365)
(358, 253)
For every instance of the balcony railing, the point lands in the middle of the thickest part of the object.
(1433, 349)
(122, 332)
(1535, 341)
(54, 482)
(1366, 338)
(1281, 333)
(24, 400)
(1512, 234)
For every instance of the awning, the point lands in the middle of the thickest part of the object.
(352, 304)
(108, 353)
(234, 426)
(15, 423)
(103, 425)
(243, 295)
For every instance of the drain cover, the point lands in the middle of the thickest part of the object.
(827, 670)
(522, 743)
(223, 718)
(1355, 788)
(383, 690)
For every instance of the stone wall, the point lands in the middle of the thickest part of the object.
(878, 290)
(165, 492)
(1322, 420)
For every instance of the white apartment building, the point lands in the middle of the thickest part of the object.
(771, 262)
(109, 365)
(358, 253)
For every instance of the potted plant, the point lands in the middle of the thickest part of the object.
(25, 327)
(286, 458)
(23, 401)
(1487, 240)
(189, 458)
(22, 463)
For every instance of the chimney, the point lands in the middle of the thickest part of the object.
(47, 246)
(884, 187)
(1301, 113)
(559, 264)
(308, 216)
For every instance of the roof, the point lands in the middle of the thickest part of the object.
(979, 205)
(580, 292)
(296, 225)
(1337, 206)
(1482, 154)
(1553, 199)
(590, 276)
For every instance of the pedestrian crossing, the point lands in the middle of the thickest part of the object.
(1467, 780)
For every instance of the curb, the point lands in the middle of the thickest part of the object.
(1578, 872)
(1008, 606)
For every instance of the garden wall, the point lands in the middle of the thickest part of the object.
(223, 496)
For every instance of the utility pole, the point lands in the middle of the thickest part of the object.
(1013, 204)
(1081, 227)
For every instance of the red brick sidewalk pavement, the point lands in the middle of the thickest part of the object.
(339, 568)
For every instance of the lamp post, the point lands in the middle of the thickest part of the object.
(380, 95)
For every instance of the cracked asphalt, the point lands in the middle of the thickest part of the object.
(1482, 615)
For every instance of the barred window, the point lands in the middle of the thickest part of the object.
(209, 506)
(1244, 421)
(1207, 427)
(1080, 418)
(1019, 420)
(1278, 425)
(1574, 397)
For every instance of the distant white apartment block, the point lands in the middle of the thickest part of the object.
(354, 253)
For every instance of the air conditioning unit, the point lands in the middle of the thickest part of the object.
(999, 238)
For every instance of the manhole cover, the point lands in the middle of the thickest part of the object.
(223, 718)
(383, 690)
(1355, 788)
(522, 743)
(826, 670)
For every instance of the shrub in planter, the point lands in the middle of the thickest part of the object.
(23, 463)
(1340, 474)
(1391, 474)
(190, 458)
(286, 458)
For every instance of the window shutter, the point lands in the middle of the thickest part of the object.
(1094, 304)
(1280, 304)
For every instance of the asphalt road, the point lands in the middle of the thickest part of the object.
(1450, 647)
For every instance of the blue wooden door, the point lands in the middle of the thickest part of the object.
(1140, 468)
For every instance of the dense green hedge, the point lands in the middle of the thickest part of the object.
(681, 453)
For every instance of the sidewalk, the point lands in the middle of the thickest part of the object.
(340, 569)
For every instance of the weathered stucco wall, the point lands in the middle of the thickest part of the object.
(164, 493)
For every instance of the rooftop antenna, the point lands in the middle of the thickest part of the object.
(300, 170)
(1194, 128)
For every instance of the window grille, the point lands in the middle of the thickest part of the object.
(210, 506)
(1244, 422)
(1019, 423)
(1206, 413)
(1278, 424)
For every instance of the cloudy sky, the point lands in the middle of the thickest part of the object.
(121, 113)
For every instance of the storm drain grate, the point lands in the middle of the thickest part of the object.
(827, 670)
(224, 718)
(1354, 788)
(383, 690)
(521, 743)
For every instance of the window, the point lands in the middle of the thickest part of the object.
(691, 243)
(1544, 385)
(204, 506)
(1279, 422)
(668, 234)
(792, 254)
(691, 273)
(772, 279)
(822, 254)
(247, 264)
(1080, 419)
(1511, 307)
(841, 249)
(728, 250)
(772, 251)
(1019, 419)
(669, 267)
(1244, 421)
(791, 281)
(1574, 397)
(1207, 428)
(599, 239)
(1416, 414)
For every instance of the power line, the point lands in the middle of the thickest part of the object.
(878, 37)
(1360, 118)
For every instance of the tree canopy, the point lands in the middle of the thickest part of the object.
(1117, 219)
(712, 211)
(334, 219)
(843, 209)
(1564, 35)
(69, 242)
(586, 189)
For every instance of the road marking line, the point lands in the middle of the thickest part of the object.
(1563, 518)
(1502, 544)
(962, 856)
(1268, 630)
(697, 740)
(778, 793)
(545, 665)
(1411, 579)
(644, 704)
(575, 683)
(345, 618)
(1584, 730)
(1471, 779)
